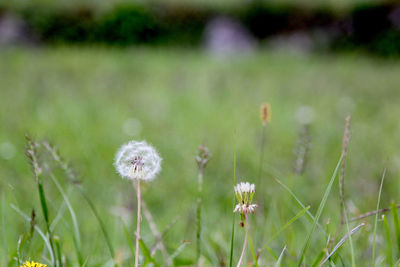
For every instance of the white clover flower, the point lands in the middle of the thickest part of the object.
(137, 160)
(244, 193)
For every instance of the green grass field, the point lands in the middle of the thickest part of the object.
(89, 101)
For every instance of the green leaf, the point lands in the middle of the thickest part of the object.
(318, 215)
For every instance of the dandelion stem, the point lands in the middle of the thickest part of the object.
(246, 232)
(139, 204)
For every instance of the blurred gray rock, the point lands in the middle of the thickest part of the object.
(14, 31)
(226, 36)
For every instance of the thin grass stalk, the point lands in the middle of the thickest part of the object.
(19, 257)
(301, 205)
(388, 241)
(31, 153)
(341, 242)
(156, 234)
(58, 250)
(260, 163)
(319, 212)
(128, 239)
(376, 217)
(278, 263)
(234, 202)
(202, 159)
(3, 229)
(37, 229)
(393, 208)
(353, 260)
(253, 252)
(179, 249)
(100, 221)
(297, 216)
(343, 217)
(246, 233)
(139, 205)
(346, 138)
(76, 236)
(198, 215)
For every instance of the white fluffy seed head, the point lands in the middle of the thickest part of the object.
(137, 160)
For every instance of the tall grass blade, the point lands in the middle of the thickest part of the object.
(100, 221)
(130, 242)
(389, 255)
(31, 153)
(77, 236)
(319, 212)
(319, 258)
(396, 225)
(301, 204)
(179, 249)
(58, 250)
(39, 231)
(234, 202)
(253, 252)
(353, 259)
(376, 217)
(3, 230)
(146, 253)
(271, 252)
(341, 242)
(298, 215)
(278, 263)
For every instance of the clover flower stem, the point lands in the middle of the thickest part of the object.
(139, 204)
(199, 206)
(246, 232)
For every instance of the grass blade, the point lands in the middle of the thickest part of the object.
(298, 215)
(341, 242)
(301, 204)
(376, 217)
(278, 263)
(146, 253)
(99, 220)
(319, 258)
(129, 240)
(253, 252)
(396, 225)
(77, 236)
(388, 241)
(179, 249)
(234, 202)
(37, 229)
(32, 156)
(319, 212)
(3, 230)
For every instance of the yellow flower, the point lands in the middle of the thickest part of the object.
(33, 264)
(265, 113)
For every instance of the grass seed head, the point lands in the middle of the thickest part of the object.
(265, 113)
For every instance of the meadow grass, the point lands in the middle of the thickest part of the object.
(88, 101)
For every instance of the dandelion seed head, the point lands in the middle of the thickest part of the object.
(137, 160)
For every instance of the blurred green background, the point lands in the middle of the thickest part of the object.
(90, 99)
